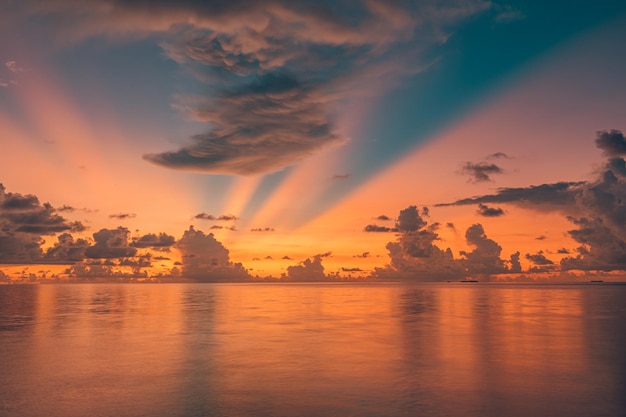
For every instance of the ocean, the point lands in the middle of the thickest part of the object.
(276, 349)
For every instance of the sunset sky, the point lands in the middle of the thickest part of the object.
(221, 140)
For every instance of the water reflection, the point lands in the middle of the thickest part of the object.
(312, 350)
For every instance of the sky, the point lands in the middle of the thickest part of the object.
(312, 140)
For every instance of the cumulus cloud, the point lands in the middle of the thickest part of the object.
(596, 208)
(480, 171)
(275, 72)
(151, 240)
(111, 243)
(612, 142)
(23, 222)
(308, 270)
(205, 259)
(415, 254)
(486, 211)
(67, 249)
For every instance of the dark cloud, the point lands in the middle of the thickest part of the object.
(486, 211)
(262, 229)
(287, 258)
(111, 243)
(276, 73)
(597, 208)
(23, 223)
(383, 218)
(415, 255)
(450, 225)
(563, 251)
(612, 142)
(67, 249)
(151, 240)
(341, 176)
(409, 220)
(308, 270)
(205, 259)
(218, 227)
(362, 255)
(351, 269)
(557, 196)
(122, 216)
(539, 259)
(223, 217)
(542, 237)
(376, 228)
(485, 258)
(481, 171)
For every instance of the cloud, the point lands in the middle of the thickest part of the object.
(287, 258)
(486, 211)
(122, 216)
(498, 155)
(111, 243)
(612, 142)
(276, 73)
(308, 270)
(223, 217)
(557, 196)
(383, 218)
(351, 269)
(23, 222)
(341, 176)
(151, 240)
(67, 249)
(481, 171)
(207, 260)
(596, 208)
(485, 258)
(380, 229)
(539, 259)
(415, 256)
(262, 229)
(218, 227)
(362, 255)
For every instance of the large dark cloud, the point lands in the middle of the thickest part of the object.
(206, 259)
(596, 208)
(415, 255)
(111, 243)
(560, 196)
(23, 223)
(308, 270)
(274, 73)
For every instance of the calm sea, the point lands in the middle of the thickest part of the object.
(460, 349)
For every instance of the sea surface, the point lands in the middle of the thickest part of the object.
(450, 349)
